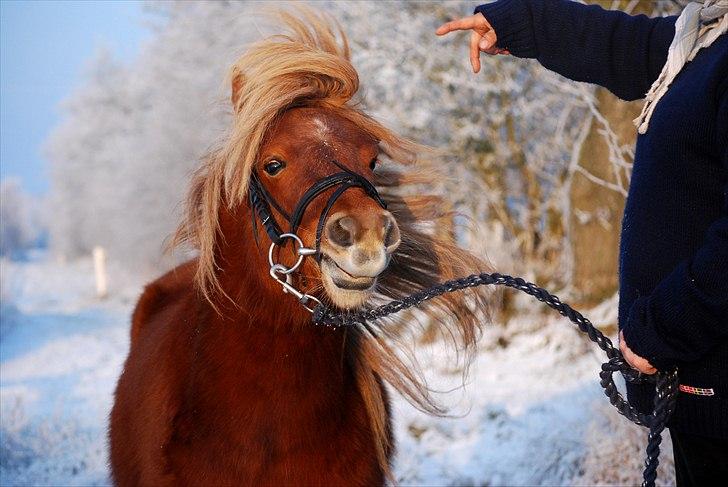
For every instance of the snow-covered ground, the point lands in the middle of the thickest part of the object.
(531, 411)
(61, 351)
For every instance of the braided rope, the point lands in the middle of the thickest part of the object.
(666, 383)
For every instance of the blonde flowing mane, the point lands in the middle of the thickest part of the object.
(311, 66)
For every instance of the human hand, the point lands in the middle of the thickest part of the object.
(482, 37)
(633, 359)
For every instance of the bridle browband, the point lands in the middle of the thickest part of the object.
(263, 202)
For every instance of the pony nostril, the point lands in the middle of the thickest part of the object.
(341, 231)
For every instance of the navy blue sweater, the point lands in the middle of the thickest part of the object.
(673, 304)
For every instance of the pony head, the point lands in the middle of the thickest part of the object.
(312, 176)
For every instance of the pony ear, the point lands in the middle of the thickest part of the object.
(236, 81)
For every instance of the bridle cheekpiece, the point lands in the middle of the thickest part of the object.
(263, 204)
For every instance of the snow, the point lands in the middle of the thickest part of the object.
(525, 414)
(60, 356)
(520, 419)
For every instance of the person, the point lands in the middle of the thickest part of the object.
(673, 279)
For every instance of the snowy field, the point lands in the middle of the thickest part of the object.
(531, 412)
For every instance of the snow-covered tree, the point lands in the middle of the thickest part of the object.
(17, 229)
(515, 133)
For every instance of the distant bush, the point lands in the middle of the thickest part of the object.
(19, 226)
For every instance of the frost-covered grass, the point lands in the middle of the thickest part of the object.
(531, 412)
(61, 351)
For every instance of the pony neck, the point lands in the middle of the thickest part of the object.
(243, 273)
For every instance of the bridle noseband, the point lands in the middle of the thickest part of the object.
(263, 203)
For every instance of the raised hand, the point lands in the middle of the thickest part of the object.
(482, 38)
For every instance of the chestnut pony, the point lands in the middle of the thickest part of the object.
(227, 381)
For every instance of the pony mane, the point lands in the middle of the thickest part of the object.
(310, 66)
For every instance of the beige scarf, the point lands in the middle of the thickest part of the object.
(698, 26)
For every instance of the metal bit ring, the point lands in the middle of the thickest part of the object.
(301, 250)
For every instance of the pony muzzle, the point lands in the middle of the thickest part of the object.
(355, 250)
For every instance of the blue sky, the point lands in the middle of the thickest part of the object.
(44, 48)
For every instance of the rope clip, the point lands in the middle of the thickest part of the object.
(282, 274)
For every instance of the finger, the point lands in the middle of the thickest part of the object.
(627, 353)
(460, 24)
(487, 42)
(493, 51)
(634, 360)
(474, 52)
(484, 45)
(646, 368)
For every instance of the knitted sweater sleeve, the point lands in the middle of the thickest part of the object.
(621, 52)
(687, 313)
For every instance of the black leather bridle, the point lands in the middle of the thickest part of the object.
(263, 202)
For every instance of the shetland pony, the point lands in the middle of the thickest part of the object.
(227, 381)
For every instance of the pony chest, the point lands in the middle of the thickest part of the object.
(255, 429)
(262, 389)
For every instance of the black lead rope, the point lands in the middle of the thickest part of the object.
(666, 383)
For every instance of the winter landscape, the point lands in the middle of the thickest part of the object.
(537, 166)
(531, 411)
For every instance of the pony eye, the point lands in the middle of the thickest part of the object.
(274, 167)
(373, 163)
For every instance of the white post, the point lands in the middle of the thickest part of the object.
(100, 272)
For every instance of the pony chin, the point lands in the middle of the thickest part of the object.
(345, 298)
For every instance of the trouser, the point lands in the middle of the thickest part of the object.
(700, 461)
